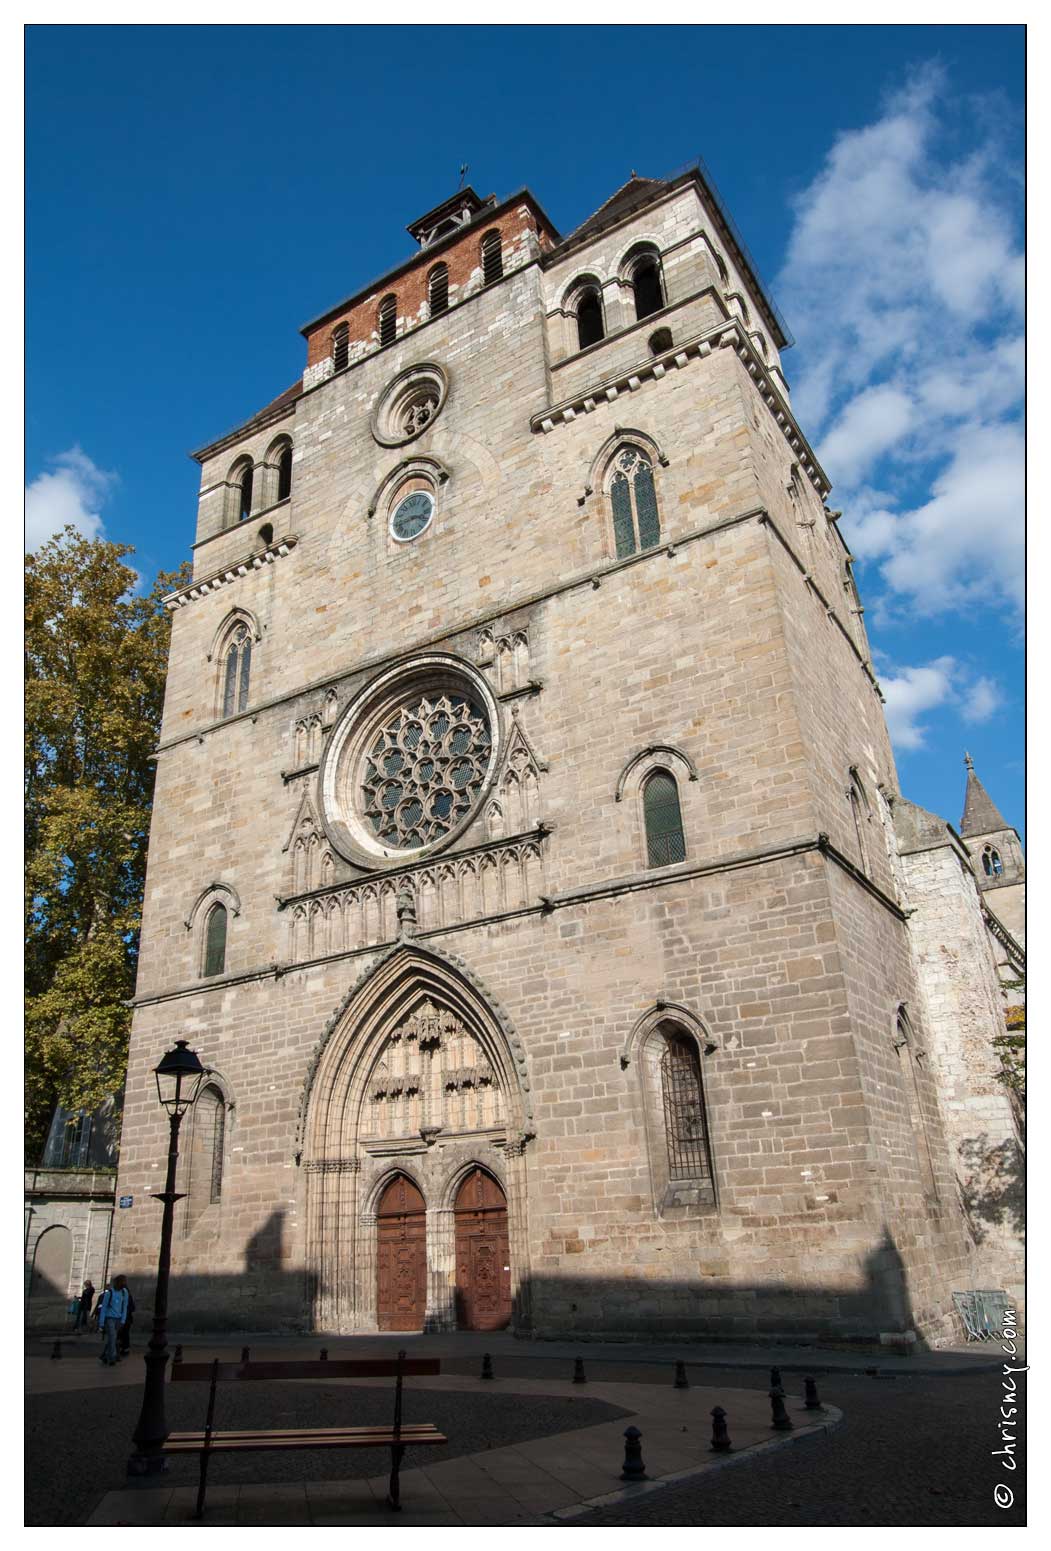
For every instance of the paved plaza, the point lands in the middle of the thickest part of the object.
(533, 1448)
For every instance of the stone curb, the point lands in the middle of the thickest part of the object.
(632, 1493)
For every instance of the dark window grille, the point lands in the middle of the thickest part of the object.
(246, 492)
(340, 347)
(238, 672)
(665, 841)
(633, 497)
(646, 283)
(590, 325)
(388, 317)
(623, 528)
(439, 289)
(492, 258)
(218, 1142)
(284, 474)
(685, 1124)
(215, 941)
(991, 863)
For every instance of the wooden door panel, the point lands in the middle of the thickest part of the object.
(483, 1274)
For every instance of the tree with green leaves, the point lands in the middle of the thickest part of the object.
(95, 658)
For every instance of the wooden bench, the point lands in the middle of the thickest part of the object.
(398, 1437)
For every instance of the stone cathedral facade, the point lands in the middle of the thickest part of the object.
(528, 864)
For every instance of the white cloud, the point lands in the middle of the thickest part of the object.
(912, 692)
(73, 492)
(904, 282)
(982, 699)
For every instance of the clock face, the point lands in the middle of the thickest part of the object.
(411, 516)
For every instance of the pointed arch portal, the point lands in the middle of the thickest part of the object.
(414, 1125)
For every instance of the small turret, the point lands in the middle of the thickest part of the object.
(996, 852)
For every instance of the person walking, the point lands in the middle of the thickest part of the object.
(124, 1338)
(112, 1312)
(87, 1297)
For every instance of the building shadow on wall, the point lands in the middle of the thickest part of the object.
(877, 1307)
(268, 1296)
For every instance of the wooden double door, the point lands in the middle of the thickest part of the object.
(483, 1266)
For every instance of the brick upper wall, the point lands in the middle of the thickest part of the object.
(522, 236)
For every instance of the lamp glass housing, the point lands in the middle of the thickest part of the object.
(179, 1074)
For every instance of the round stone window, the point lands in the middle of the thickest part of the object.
(409, 405)
(409, 763)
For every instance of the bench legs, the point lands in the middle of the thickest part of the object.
(199, 1510)
(394, 1489)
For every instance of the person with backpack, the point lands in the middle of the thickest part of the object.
(84, 1303)
(124, 1338)
(112, 1311)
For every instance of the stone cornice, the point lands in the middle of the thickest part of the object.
(231, 573)
(591, 578)
(547, 904)
(730, 335)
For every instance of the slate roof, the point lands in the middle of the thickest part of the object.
(980, 814)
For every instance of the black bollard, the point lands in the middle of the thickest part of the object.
(178, 1356)
(56, 1350)
(681, 1381)
(634, 1469)
(781, 1420)
(244, 1354)
(324, 1354)
(720, 1435)
(775, 1379)
(812, 1401)
(579, 1376)
(487, 1367)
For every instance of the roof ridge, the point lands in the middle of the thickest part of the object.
(636, 179)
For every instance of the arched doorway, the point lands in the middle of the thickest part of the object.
(49, 1284)
(401, 1234)
(483, 1262)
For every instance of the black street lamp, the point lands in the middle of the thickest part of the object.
(178, 1079)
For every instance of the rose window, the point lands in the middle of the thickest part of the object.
(424, 769)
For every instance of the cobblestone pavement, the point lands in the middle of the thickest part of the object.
(912, 1450)
(77, 1442)
(909, 1452)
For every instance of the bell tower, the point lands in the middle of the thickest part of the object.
(999, 863)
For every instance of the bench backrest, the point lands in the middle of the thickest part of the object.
(365, 1368)
(217, 1372)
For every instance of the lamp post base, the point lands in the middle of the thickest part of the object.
(144, 1467)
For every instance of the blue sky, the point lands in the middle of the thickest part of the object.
(196, 194)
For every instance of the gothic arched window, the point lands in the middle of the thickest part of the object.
(215, 941)
(991, 862)
(388, 320)
(591, 325)
(861, 813)
(662, 815)
(646, 285)
(340, 346)
(633, 499)
(207, 1148)
(438, 289)
(908, 1058)
(246, 481)
(236, 669)
(492, 257)
(685, 1122)
(284, 473)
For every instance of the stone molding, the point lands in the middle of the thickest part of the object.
(231, 573)
(732, 335)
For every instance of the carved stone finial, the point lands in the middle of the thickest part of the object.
(968, 761)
